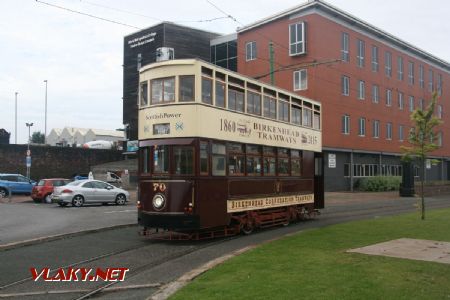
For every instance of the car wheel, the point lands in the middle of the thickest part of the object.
(62, 204)
(48, 198)
(3, 193)
(121, 199)
(77, 201)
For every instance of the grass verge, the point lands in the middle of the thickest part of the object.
(314, 265)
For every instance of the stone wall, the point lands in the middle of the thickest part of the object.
(48, 161)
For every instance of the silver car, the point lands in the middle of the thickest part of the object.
(89, 191)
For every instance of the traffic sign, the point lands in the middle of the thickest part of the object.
(28, 161)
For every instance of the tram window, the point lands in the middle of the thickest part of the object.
(283, 111)
(236, 162)
(316, 121)
(220, 94)
(270, 107)
(161, 159)
(253, 166)
(206, 90)
(187, 88)
(253, 103)
(269, 166)
(145, 161)
(144, 93)
(283, 161)
(163, 90)
(295, 162)
(218, 159)
(307, 117)
(296, 115)
(235, 99)
(183, 160)
(204, 162)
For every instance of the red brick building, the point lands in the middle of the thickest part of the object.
(367, 80)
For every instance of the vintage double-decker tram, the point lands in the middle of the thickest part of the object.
(221, 153)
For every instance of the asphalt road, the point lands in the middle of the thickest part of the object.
(155, 264)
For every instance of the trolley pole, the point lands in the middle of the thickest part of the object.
(15, 120)
(28, 158)
(45, 132)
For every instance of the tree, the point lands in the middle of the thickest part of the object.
(38, 137)
(421, 138)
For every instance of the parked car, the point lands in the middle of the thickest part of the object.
(44, 188)
(82, 192)
(15, 184)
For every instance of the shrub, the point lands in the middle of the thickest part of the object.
(379, 183)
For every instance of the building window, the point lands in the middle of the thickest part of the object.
(389, 131)
(388, 64)
(253, 103)
(307, 117)
(361, 53)
(139, 61)
(344, 47)
(143, 92)
(362, 127)
(163, 90)
(250, 51)
(439, 85)
(297, 39)
(187, 84)
(439, 138)
(375, 93)
(400, 68)
(270, 107)
(375, 58)
(376, 129)
(400, 101)
(400, 133)
(421, 77)
(411, 73)
(411, 103)
(361, 90)
(300, 80)
(345, 124)
(439, 111)
(388, 97)
(345, 85)
(421, 104)
(430, 81)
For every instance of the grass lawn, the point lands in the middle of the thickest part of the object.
(314, 265)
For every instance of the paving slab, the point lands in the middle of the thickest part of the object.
(415, 249)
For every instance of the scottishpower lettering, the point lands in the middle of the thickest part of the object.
(162, 116)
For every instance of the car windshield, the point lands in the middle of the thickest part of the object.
(41, 183)
(60, 182)
(78, 182)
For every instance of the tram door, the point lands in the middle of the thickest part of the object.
(319, 189)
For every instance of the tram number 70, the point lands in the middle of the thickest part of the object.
(159, 187)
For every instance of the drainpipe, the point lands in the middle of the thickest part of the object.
(351, 171)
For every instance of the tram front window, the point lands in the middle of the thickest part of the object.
(161, 159)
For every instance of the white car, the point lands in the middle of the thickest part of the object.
(87, 191)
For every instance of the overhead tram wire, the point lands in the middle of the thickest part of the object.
(150, 17)
(88, 15)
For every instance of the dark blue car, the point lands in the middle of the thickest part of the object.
(15, 184)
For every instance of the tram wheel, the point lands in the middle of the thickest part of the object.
(247, 228)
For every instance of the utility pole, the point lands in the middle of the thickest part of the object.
(271, 61)
(28, 158)
(45, 132)
(15, 119)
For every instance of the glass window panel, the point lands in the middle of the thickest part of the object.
(206, 90)
(183, 160)
(187, 88)
(161, 159)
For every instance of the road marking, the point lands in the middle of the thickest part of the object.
(119, 211)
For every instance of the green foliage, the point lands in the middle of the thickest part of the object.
(38, 137)
(379, 183)
(421, 138)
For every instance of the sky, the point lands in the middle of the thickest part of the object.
(81, 57)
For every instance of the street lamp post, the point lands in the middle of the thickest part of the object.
(15, 119)
(45, 132)
(28, 149)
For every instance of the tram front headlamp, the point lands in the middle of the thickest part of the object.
(159, 201)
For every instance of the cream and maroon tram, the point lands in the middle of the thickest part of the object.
(221, 153)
